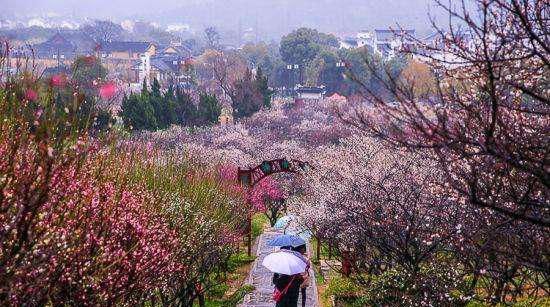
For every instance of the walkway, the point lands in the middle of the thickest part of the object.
(260, 278)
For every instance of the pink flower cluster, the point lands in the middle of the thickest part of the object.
(265, 191)
(91, 240)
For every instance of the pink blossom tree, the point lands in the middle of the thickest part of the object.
(483, 119)
(378, 209)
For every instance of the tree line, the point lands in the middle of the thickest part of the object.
(153, 110)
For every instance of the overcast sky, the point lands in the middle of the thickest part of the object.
(268, 15)
(90, 8)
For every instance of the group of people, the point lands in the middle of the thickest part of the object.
(290, 286)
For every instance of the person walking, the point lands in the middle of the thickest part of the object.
(305, 276)
(289, 288)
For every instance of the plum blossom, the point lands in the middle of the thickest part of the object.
(58, 80)
(107, 90)
(31, 95)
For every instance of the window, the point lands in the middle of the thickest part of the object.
(62, 56)
(103, 55)
(55, 56)
(175, 62)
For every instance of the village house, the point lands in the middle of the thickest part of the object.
(120, 58)
(60, 50)
(57, 51)
(167, 66)
(388, 43)
(175, 48)
(226, 117)
(384, 42)
(126, 50)
(348, 43)
(310, 92)
(365, 38)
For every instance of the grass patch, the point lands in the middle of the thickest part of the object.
(238, 260)
(319, 277)
(231, 301)
(259, 223)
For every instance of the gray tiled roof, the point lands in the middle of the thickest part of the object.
(310, 89)
(181, 50)
(136, 47)
(161, 65)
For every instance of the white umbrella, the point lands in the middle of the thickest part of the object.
(284, 263)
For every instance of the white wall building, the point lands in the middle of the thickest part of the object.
(384, 42)
(310, 92)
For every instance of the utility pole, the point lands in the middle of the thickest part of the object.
(58, 60)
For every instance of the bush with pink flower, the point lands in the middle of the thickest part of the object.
(88, 221)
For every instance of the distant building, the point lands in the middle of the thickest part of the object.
(225, 117)
(388, 42)
(167, 69)
(365, 38)
(310, 92)
(348, 43)
(175, 48)
(57, 51)
(122, 58)
(384, 42)
(126, 50)
(166, 65)
(362, 39)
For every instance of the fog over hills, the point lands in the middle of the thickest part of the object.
(266, 18)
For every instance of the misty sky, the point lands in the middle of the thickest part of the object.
(268, 16)
(91, 8)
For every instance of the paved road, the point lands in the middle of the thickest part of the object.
(260, 278)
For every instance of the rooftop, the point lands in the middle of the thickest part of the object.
(161, 65)
(310, 89)
(136, 47)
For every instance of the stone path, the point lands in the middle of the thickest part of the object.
(260, 278)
